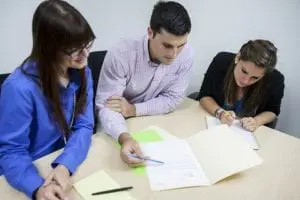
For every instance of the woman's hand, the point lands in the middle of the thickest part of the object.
(227, 117)
(61, 176)
(249, 123)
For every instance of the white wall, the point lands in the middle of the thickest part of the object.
(216, 26)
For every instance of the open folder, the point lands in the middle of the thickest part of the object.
(203, 159)
(247, 136)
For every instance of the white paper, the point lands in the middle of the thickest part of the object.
(180, 168)
(248, 136)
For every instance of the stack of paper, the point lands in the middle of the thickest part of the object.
(248, 136)
(100, 181)
(203, 159)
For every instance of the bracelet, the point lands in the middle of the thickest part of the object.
(219, 112)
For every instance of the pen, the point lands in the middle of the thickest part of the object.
(228, 113)
(145, 158)
(113, 190)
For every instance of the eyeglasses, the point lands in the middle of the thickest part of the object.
(77, 53)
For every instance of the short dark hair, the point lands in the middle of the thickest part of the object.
(170, 16)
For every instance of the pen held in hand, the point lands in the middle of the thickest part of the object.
(146, 158)
(113, 190)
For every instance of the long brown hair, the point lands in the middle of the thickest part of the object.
(263, 54)
(57, 27)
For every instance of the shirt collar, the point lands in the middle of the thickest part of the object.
(147, 53)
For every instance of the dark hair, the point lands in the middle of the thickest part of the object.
(56, 27)
(170, 16)
(263, 54)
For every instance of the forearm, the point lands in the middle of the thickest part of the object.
(209, 104)
(159, 105)
(265, 118)
(112, 122)
(75, 150)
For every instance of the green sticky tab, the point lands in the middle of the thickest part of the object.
(145, 136)
(149, 135)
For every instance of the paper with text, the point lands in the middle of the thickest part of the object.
(202, 159)
(248, 136)
(180, 168)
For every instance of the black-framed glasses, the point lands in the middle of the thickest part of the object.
(76, 53)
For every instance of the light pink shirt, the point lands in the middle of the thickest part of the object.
(153, 88)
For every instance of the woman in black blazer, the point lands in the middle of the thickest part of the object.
(245, 85)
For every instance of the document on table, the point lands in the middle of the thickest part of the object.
(248, 136)
(100, 181)
(180, 168)
(203, 159)
(150, 134)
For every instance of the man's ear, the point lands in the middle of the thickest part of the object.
(150, 32)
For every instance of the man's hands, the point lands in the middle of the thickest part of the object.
(129, 147)
(121, 105)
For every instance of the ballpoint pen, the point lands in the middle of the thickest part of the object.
(113, 190)
(146, 158)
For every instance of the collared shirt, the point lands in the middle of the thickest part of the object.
(153, 88)
(28, 131)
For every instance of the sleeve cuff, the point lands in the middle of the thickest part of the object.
(67, 161)
(33, 183)
(140, 109)
(118, 130)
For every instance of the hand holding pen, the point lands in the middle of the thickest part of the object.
(227, 117)
(146, 158)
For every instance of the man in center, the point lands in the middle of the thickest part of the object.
(147, 76)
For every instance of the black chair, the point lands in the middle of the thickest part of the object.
(194, 95)
(95, 62)
(2, 79)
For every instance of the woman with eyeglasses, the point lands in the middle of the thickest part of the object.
(244, 86)
(46, 103)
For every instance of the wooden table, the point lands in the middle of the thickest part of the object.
(277, 178)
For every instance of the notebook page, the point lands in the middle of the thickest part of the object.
(100, 181)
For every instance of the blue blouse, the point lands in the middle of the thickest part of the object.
(28, 131)
(237, 107)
